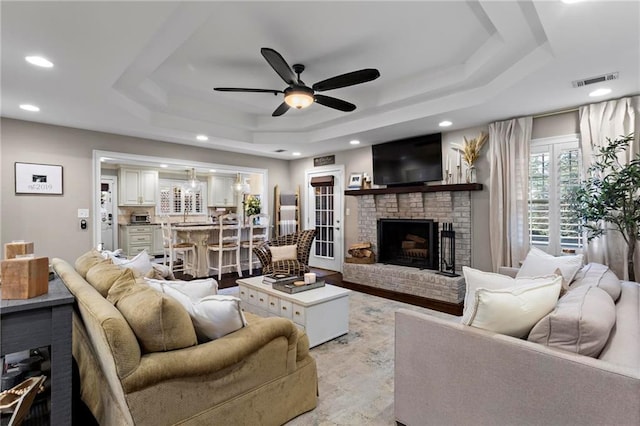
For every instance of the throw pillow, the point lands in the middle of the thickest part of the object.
(140, 264)
(597, 275)
(160, 272)
(475, 279)
(217, 316)
(514, 311)
(284, 252)
(212, 316)
(159, 322)
(102, 276)
(87, 260)
(195, 289)
(539, 263)
(581, 322)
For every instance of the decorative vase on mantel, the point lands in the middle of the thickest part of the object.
(471, 174)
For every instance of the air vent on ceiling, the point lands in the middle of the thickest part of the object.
(280, 150)
(593, 80)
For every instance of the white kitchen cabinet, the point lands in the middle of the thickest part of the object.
(137, 187)
(136, 238)
(221, 192)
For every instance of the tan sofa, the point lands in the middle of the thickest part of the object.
(447, 373)
(261, 374)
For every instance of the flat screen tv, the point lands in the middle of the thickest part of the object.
(408, 161)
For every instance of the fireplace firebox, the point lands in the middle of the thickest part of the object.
(408, 242)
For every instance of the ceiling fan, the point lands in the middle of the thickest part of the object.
(298, 94)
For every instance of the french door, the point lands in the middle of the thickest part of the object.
(324, 195)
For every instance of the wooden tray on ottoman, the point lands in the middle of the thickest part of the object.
(292, 289)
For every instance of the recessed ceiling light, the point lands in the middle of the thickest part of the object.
(600, 92)
(164, 166)
(354, 142)
(39, 61)
(202, 137)
(29, 107)
(212, 170)
(570, 1)
(296, 154)
(445, 123)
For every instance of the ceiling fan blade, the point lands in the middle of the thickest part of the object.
(281, 110)
(334, 103)
(348, 79)
(239, 89)
(279, 65)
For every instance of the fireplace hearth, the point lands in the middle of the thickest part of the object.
(408, 242)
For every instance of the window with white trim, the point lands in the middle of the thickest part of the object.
(554, 173)
(175, 199)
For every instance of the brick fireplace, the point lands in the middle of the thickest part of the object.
(452, 204)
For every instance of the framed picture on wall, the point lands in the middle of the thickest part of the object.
(38, 179)
(355, 180)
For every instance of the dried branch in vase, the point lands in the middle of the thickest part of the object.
(471, 148)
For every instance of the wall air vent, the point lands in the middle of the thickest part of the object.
(280, 150)
(593, 80)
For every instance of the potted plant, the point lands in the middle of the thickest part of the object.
(609, 198)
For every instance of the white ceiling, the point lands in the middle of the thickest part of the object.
(147, 69)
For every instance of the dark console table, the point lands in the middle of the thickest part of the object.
(43, 321)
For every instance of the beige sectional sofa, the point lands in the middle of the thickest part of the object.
(447, 373)
(261, 374)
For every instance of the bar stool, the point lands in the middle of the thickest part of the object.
(228, 242)
(258, 234)
(177, 251)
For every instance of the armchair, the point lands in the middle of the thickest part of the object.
(299, 266)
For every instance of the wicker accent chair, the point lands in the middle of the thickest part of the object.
(298, 266)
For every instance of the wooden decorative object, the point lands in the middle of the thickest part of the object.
(415, 238)
(361, 260)
(24, 278)
(361, 253)
(12, 250)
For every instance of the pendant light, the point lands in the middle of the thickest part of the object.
(239, 186)
(193, 184)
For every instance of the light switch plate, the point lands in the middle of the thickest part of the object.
(83, 213)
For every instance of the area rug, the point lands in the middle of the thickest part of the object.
(355, 371)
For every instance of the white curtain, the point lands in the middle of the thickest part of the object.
(597, 122)
(509, 143)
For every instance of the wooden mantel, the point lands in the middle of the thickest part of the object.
(417, 188)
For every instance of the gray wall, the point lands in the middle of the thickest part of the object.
(51, 221)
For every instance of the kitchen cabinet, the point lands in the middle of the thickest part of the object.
(137, 187)
(136, 238)
(221, 192)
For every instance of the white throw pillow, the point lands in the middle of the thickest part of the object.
(539, 263)
(140, 264)
(284, 252)
(514, 311)
(475, 279)
(217, 316)
(212, 316)
(194, 289)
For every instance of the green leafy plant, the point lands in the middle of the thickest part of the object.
(609, 198)
(252, 205)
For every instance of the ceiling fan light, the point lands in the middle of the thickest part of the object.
(298, 97)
